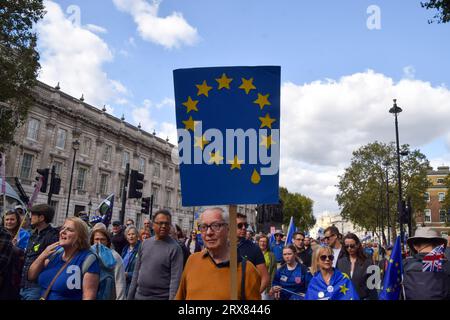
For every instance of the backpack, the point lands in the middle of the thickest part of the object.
(107, 282)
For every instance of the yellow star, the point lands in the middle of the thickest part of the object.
(391, 261)
(190, 124)
(247, 85)
(262, 100)
(388, 290)
(345, 275)
(224, 82)
(200, 142)
(203, 88)
(344, 289)
(266, 141)
(266, 121)
(215, 157)
(236, 163)
(191, 105)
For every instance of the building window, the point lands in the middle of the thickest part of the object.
(87, 144)
(125, 159)
(427, 215)
(81, 179)
(440, 181)
(441, 196)
(169, 175)
(156, 171)
(27, 165)
(442, 215)
(58, 167)
(61, 138)
(168, 198)
(141, 165)
(33, 129)
(104, 183)
(107, 153)
(54, 204)
(427, 196)
(155, 192)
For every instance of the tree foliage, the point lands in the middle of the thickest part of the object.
(19, 63)
(443, 8)
(362, 187)
(298, 206)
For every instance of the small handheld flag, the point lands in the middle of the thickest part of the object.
(393, 277)
(290, 232)
(432, 262)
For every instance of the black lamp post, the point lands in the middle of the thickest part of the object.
(396, 110)
(89, 206)
(75, 147)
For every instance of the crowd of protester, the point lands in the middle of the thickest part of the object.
(81, 261)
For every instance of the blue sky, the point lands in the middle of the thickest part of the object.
(312, 41)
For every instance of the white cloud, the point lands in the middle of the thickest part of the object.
(74, 56)
(170, 32)
(409, 72)
(96, 29)
(323, 122)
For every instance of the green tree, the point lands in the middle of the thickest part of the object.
(362, 187)
(443, 8)
(19, 63)
(298, 206)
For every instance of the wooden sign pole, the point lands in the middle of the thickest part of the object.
(233, 253)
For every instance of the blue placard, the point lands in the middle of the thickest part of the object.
(228, 121)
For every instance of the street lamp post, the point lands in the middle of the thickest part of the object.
(75, 147)
(89, 207)
(396, 110)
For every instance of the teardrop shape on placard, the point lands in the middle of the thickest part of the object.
(256, 178)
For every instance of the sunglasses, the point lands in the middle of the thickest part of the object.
(242, 225)
(324, 257)
(328, 238)
(350, 246)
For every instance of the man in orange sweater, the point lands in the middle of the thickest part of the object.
(206, 275)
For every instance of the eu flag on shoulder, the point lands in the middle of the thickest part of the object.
(339, 288)
(392, 283)
(228, 122)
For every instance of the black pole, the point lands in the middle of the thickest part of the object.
(124, 194)
(52, 181)
(70, 183)
(395, 109)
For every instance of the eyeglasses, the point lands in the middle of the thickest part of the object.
(162, 223)
(298, 239)
(324, 257)
(350, 246)
(242, 225)
(328, 238)
(215, 226)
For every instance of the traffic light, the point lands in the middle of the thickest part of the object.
(145, 205)
(44, 173)
(55, 185)
(136, 185)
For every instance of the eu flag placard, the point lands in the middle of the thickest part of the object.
(228, 124)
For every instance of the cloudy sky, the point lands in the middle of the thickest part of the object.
(342, 63)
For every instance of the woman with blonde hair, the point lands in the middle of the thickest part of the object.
(328, 283)
(67, 269)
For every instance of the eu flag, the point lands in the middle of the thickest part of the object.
(228, 121)
(290, 232)
(339, 288)
(393, 276)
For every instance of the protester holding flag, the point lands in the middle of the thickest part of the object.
(291, 279)
(12, 222)
(355, 265)
(328, 283)
(425, 277)
(271, 263)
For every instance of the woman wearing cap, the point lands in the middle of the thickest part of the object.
(291, 279)
(328, 283)
(355, 265)
(420, 280)
(67, 269)
(277, 246)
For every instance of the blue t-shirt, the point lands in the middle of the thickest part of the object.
(22, 239)
(277, 249)
(293, 280)
(69, 284)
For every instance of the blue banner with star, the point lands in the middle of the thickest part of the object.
(392, 282)
(228, 124)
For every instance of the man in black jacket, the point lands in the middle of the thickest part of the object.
(118, 238)
(42, 236)
(304, 254)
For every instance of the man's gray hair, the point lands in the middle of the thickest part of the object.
(223, 211)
